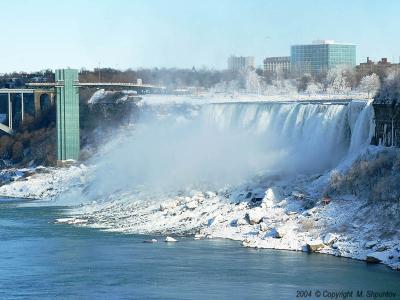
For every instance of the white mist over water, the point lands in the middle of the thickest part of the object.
(218, 144)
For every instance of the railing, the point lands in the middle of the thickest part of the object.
(95, 84)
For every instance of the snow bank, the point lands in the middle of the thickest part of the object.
(44, 183)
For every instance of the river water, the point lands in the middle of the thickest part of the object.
(43, 260)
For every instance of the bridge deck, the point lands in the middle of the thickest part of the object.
(97, 85)
(17, 91)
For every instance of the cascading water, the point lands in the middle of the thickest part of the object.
(227, 143)
(218, 150)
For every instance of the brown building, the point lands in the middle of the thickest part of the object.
(382, 66)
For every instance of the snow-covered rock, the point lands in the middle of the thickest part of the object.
(315, 245)
(215, 220)
(376, 257)
(199, 236)
(150, 241)
(242, 221)
(169, 239)
(272, 195)
(382, 248)
(263, 227)
(191, 205)
(371, 244)
(255, 215)
(168, 205)
(277, 233)
(330, 238)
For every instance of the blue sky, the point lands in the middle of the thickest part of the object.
(39, 34)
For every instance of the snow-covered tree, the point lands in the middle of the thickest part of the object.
(369, 84)
(252, 82)
(313, 88)
(337, 82)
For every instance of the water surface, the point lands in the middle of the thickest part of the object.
(43, 260)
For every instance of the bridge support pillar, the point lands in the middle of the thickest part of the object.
(51, 99)
(36, 100)
(67, 97)
(22, 107)
(10, 118)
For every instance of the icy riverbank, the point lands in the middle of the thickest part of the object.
(265, 213)
(40, 182)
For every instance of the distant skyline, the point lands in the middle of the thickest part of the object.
(41, 34)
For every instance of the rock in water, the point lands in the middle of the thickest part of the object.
(375, 257)
(315, 246)
(150, 241)
(199, 236)
(170, 239)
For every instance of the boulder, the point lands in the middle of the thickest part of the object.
(263, 226)
(150, 241)
(382, 248)
(169, 239)
(375, 257)
(329, 239)
(277, 233)
(371, 244)
(41, 169)
(191, 205)
(291, 213)
(246, 243)
(268, 200)
(314, 246)
(168, 205)
(255, 215)
(241, 221)
(199, 236)
(215, 220)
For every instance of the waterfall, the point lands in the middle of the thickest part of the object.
(319, 135)
(227, 143)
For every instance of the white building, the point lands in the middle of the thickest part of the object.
(241, 63)
(277, 65)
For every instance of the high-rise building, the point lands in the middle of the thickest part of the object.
(277, 65)
(321, 56)
(241, 63)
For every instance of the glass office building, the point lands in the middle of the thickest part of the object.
(321, 56)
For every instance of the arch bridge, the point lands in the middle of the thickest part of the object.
(64, 92)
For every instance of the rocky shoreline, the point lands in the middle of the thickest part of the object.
(270, 215)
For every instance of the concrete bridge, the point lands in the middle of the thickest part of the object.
(65, 90)
(17, 102)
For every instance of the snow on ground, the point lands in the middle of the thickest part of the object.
(40, 183)
(263, 214)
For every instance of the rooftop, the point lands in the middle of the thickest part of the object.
(325, 42)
